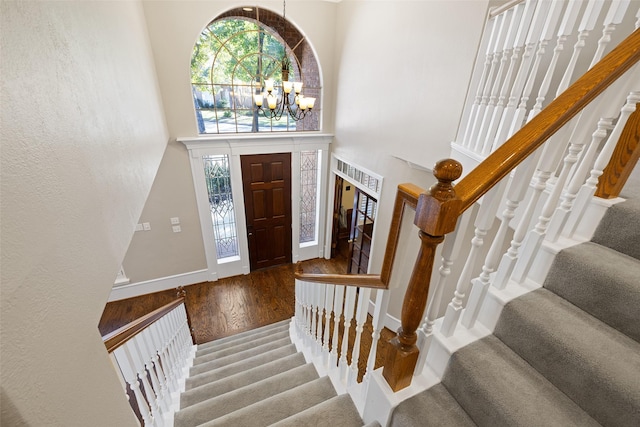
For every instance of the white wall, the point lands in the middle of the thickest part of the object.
(174, 27)
(83, 133)
(402, 73)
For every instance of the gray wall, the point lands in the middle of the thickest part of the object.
(83, 133)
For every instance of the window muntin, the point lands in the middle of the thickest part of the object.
(218, 179)
(233, 57)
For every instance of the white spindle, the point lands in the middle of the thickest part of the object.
(486, 90)
(155, 347)
(501, 57)
(521, 77)
(382, 302)
(534, 37)
(515, 195)
(547, 32)
(148, 356)
(588, 189)
(559, 219)
(127, 367)
(364, 295)
(320, 290)
(483, 222)
(349, 305)
(614, 16)
(134, 348)
(338, 303)
(512, 49)
(483, 79)
(330, 291)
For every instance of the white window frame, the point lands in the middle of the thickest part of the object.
(235, 146)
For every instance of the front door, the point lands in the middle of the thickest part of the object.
(267, 199)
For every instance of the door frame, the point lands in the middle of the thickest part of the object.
(234, 146)
(355, 175)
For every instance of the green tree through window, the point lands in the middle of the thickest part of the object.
(231, 60)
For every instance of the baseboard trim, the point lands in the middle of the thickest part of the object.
(157, 285)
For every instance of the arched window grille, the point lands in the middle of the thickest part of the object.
(233, 57)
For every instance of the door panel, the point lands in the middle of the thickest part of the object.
(267, 192)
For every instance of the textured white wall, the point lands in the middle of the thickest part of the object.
(174, 27)
(83, 133)
(402, 73)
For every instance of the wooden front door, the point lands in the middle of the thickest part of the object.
(267, 199)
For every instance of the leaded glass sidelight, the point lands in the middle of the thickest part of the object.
(308, 195)
(218, 179)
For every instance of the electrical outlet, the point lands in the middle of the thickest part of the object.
(176, 229)
(146, 226)
(175, 220)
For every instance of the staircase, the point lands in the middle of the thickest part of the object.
(258, 378)
(567, 354)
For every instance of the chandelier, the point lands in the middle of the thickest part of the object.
(285, 97)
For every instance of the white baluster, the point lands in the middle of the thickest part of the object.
(483, 222)
(151, 362)
(320, 298)
(559, 218)
(309, 305)
(144, 373)
(155, 347)
(128, 369)
(328, 304)
(466, 141)
(349, 306)
(515, 195)
(547, 33)
(588, 189)
(338, 303)
(534, 37)
(508, 116)
(512, 51)
(587, 24)
(382, 302)
(614, 17)
(364, 295)
(159, 337)
(501, 57)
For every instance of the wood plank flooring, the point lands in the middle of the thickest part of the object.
(237, 304)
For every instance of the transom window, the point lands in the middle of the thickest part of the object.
(234, 56)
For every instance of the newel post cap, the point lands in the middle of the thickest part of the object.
(438, 209)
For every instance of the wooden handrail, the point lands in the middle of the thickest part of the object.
(438, 210)
(623, 160)
(559, 111)
(121, 335)
(407, 195)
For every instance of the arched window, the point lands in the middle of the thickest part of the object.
(233, 58)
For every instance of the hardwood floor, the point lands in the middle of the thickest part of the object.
(237, 304)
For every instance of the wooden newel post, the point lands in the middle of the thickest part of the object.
(436, 215)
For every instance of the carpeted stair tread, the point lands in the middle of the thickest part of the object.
(243, 397)
(337, 411)
(434, 407)
(237, 367)
(498, 388)
(242, 379)
(245, 345)
(619, 229)
(242, 355)
(234, 340)
(595, 365)
(608, 290)
(278, 407)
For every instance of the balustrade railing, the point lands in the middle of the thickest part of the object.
(151, 355)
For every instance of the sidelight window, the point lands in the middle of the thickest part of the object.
(309, 161)
(218, 179)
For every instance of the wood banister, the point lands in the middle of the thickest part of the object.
(438, 210)
(121, 335)
(559, 111)
(623, 160)
(406, 195)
